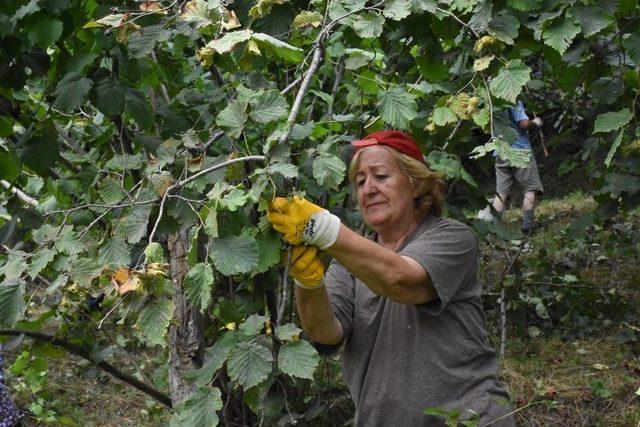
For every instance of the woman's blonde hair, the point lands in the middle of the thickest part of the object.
(429, 184)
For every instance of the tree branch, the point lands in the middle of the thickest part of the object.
(105, 366)
(185, 181)
(19, 193)
(304, 87)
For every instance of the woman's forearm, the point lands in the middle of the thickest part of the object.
(384, 271)
(316, 316)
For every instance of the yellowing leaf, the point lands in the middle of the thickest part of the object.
(231, 326)
(231, 21)
(483, 42)
(252, 48)
(307, 19)
(483, 63)
(205, 56)
(151, 6)
(263, 8)
(133, 284)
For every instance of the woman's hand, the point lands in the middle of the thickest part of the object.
(307, 269)
(300, 221)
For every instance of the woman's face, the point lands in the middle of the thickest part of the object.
(385, 194)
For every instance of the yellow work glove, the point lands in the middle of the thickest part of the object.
(307, 269)
(300, 221)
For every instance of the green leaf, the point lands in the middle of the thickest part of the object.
(298, 359)
(12, 304)
(154, 253)
(504, 27)
(561, 33)
(269, 246)
(15, 265)
(329, 170)
(199, 409)
(109, 96)
(632, 45)
(443, 116)
(39, 261)
(137, 106)
(232, 118)
(450, 165)
(509, 82)
(253, 325)
(133, 226)
(154, 320)
(198, 284)
(481, 16)
(9, 164)
(397, 108)
(397, 9)
(269, 106)
(524, 5)
(357, 58)
(43, 29)
(606, 89)
(143, 41)
(26, 10)
(288, 332)
(229, 41)
(368, 25)
(591, 19)
(235, 254)
(234, 199)
(114, 253)
(278, 48)
(84, 270)
(287, 170)
(612, 120)
(111, 191)
(72, 91)
(249, 364)
(214, 357)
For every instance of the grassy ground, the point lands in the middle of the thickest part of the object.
(567, 369)
(584, 374)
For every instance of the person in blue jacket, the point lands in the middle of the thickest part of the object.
(528, 177)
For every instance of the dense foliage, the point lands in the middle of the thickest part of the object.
(140, 143)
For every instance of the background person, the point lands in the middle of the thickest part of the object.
(406, 301)
(528, 177)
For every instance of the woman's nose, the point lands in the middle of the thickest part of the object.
(370, 188)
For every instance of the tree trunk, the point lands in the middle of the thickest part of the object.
(186, 334)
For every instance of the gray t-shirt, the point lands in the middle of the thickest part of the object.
(400, 359)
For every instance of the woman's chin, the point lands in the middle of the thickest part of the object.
(376, 219)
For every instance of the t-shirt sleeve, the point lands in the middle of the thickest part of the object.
(448, 252)
(341, 289)
(518, 112)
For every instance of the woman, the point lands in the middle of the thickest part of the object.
(406, 302)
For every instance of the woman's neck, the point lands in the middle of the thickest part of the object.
(393, 237)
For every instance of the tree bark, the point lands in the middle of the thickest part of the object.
(186, 339)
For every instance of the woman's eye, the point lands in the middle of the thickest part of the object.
(381, 177)
(360, 183)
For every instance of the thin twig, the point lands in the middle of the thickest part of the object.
(291, 85)
(460, 21)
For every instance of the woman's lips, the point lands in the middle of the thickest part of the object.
(370, 205)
